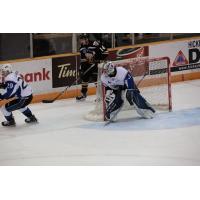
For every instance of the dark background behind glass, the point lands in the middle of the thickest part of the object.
(26, 45)
(14, 46)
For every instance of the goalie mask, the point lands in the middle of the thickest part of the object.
(6, 69)
(109, 69)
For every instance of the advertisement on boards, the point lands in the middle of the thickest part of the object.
(194, 54)
(126, 53)
(184, 55)
(125, 57)
(37, 73)
(191, 60)
(64, 71)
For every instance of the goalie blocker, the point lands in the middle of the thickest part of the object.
(117, 79)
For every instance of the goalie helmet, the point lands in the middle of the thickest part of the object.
(109, 68)
(6, 69)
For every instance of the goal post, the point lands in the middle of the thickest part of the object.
(151, 75)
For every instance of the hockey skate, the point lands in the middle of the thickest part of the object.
(81, 98)
(9, 123)
(31, 119)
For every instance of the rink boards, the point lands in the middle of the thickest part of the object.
(50, 75)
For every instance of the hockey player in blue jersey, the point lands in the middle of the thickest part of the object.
(16, 88)
(116, 79)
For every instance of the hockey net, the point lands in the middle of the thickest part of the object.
(151, 75)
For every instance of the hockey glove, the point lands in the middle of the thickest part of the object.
(2, 85)
(96, 43)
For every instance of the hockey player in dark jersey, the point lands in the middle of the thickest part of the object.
(92, 53)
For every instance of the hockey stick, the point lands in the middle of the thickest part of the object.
(62, 92)
(138, 83)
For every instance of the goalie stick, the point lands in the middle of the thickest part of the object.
(113, 117)
(62, 92)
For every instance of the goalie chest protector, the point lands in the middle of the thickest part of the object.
(118, 79)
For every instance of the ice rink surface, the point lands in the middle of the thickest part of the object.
(64, 137)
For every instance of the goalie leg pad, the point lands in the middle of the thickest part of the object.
(113, 105)
(145, 113)
(134, 97)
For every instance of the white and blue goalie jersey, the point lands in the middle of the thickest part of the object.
(117, 80)
(15, 86)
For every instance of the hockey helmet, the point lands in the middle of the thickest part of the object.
(83, 36)
(109, 68)
(6, 69)
(84, 39)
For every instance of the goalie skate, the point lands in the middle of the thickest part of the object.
(145, 113)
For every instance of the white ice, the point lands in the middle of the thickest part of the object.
(64, 137)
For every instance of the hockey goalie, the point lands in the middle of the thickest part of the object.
(118, 79)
